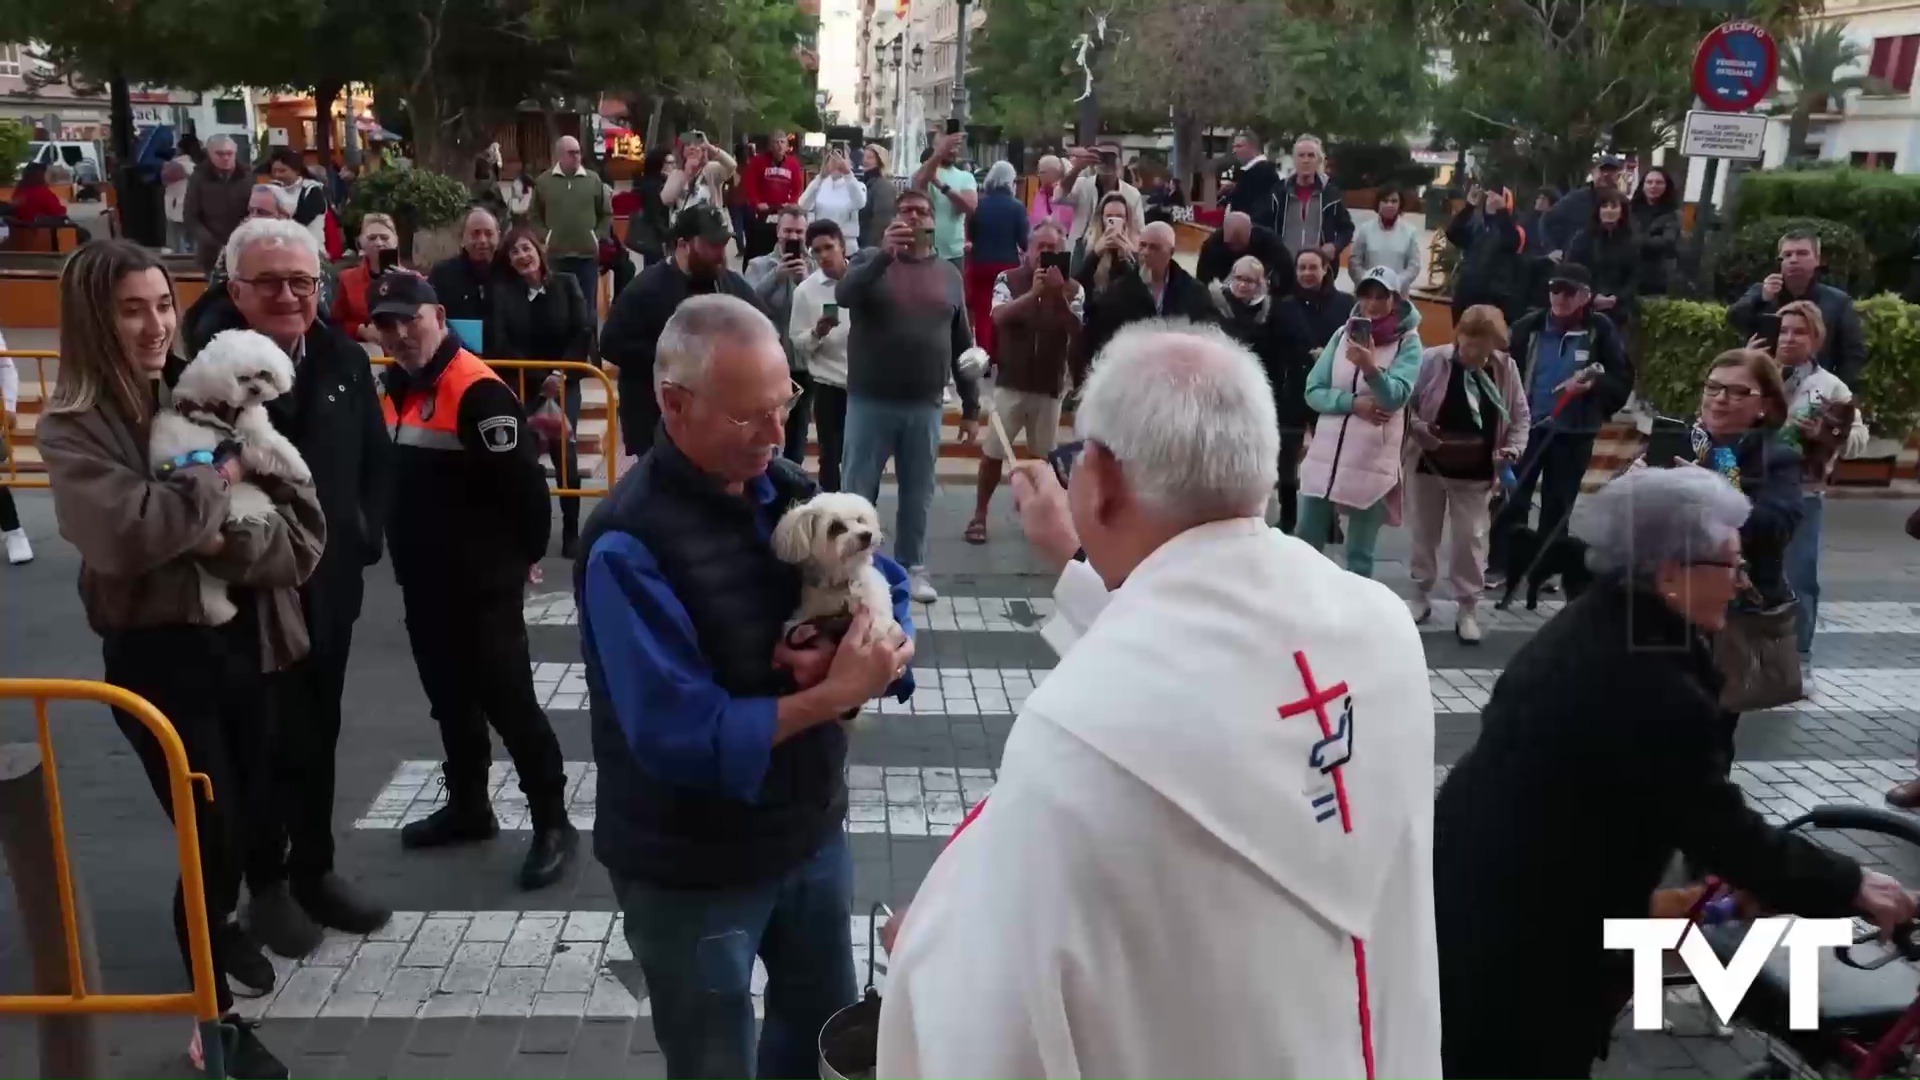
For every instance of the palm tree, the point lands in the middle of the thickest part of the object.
(1811, 63)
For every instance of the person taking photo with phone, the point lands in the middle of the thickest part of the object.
(818, 333)
(773, 277)
(955, 199)
(1038, 315)
(1359, 387)
(1845, 350)
(379, 246)
(1492, 268)
(837, 195)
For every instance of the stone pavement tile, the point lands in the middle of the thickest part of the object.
(651, 1065)
(600, 1047)
(377, 1048)
(416, 1067)
(329, 1036)
(487, 1046)
(549, 1034)
(438, 1038)
(536, 1065)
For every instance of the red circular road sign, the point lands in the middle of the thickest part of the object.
(1735, 67)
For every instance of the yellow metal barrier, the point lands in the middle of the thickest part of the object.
(610, 452)
(10, 474)
(200, 1002)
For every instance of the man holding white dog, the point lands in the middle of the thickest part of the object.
(1230, 708)
(333, 416)
(718, 734)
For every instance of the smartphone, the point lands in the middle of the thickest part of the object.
(794, 249)
(1669, 439)
(953, 125)
(696, 137)
(1360, 329)
(1770, 330)
(1115, 224)
(1109, 157)
(1058, 260)
(387, 259)
(1062, 459)
(926, 235)
(831, 312)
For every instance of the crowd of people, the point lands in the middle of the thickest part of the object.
(1209, 406)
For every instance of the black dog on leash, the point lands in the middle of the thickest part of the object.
(1530, 560)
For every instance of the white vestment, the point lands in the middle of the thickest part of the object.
(1179, 873)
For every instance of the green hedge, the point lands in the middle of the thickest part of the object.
(1883, 207)
(1675, 340)
(415, 198)
(1754, 252)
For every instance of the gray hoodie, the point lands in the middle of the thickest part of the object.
(775, 290)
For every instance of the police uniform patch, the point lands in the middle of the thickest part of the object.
(500, 433)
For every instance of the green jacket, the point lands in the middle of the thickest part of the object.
(575, 212)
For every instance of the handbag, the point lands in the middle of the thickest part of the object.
(1758, 654)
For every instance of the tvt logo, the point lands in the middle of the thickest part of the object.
(1726, 986)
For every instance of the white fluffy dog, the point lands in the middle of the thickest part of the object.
(220, 398)
(832, 537)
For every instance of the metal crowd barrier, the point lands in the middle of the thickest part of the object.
(11, 476)
(609, 452)
(81, 1000)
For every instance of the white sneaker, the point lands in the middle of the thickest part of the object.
(1421, 609)
(1468, 627)
(920, 586)
(18, 550)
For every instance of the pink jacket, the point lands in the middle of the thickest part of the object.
(1351, 462)
(1430, 390)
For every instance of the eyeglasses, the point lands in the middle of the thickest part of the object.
(1738, 566)
(1566, 288)
(300, 286)
(778, 414)
(1730, 392)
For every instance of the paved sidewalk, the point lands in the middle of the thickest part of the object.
(476, 978)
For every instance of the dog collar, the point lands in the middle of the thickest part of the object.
(197, 457)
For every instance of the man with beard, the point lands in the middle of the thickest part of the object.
(698, 266)
(333, 416)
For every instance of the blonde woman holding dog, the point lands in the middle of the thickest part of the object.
(143, 540)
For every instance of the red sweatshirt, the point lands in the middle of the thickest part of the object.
(775, 184)
(37, 202)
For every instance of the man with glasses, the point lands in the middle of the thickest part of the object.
(1575, 369)
(719, 737)
(818, 335)
(333, 416)
(909, 327)
(470, 519)
(774, 276)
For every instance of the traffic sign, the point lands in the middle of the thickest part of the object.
(1735, 67)
(1735, 136)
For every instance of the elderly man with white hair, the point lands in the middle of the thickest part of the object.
(574, 208)
(333, 416)
(216, 199)
(1195, 862)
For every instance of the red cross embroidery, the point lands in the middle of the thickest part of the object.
(1316, 702)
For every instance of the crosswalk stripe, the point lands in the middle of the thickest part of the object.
(1002, 691)
(1021, 614)
(930, 801)
(428, 964)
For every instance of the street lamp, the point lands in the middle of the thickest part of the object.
(919, 55)
(898, 44)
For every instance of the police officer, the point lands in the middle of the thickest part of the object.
(470, 517)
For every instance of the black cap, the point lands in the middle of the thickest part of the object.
(1572, 273)
(399, 293)
(702, 223)
(1610, 161)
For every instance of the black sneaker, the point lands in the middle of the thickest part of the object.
(276, 921)
(333, 903)
(451, 824)
(548, 856)
(247, 1057)
(249, 972)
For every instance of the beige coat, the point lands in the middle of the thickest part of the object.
(136, 534)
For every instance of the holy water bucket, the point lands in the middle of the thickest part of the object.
(850, 1039)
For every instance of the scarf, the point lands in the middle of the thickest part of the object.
(1480, 386)
(1724, 460)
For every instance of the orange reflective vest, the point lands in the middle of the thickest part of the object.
(432, 417)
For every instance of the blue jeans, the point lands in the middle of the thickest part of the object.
(1803, 567)
(909, 433)
(696, 950)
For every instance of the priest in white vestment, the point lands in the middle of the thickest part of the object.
(1209, 850)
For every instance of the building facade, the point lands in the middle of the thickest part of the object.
(1869, 130)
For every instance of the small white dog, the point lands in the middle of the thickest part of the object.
(220, 398)
(832, 537)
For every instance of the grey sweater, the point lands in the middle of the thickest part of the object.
(908, 327)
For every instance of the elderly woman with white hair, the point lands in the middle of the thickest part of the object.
(1200, 726)
(998, 231)
(1048, 172)
(1602, 754)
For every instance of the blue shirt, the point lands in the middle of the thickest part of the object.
(679, 723)
(999, 229)
(1557, 356)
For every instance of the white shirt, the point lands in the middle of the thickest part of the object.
(824, 358)
(838, 199)
(1085, 199)
(1181, 871)
(1808, 387)
(9, 385)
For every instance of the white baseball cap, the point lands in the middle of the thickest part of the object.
(1382, 276)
